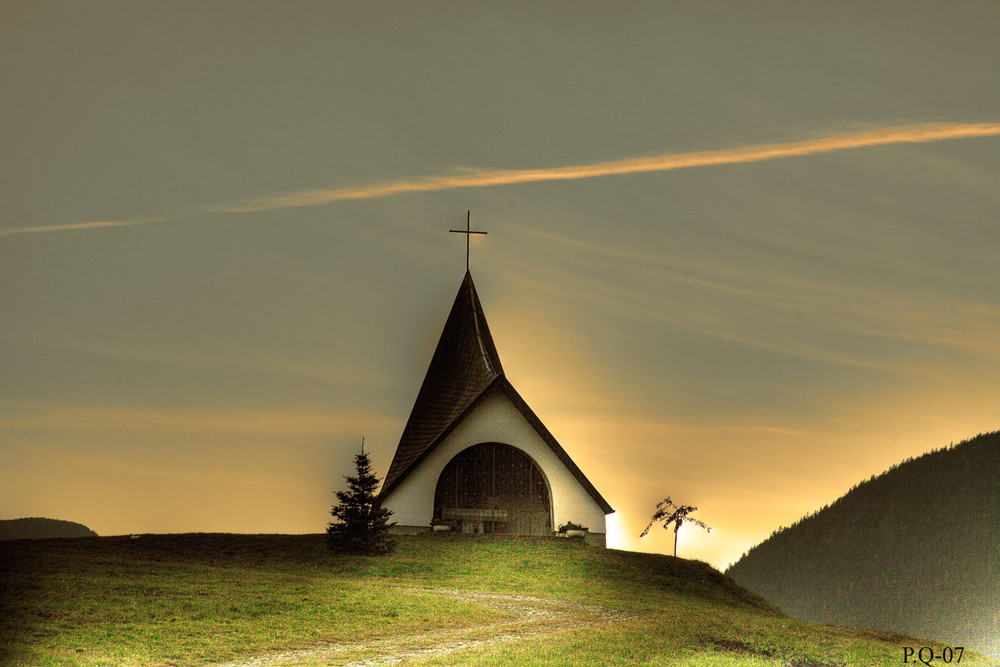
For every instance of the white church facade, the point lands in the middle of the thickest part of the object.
(474, 455)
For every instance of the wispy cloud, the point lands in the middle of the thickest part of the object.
(482, 178)
(853, 323)
(487, 178)
(97, 224)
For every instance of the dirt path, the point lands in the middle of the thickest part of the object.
(533, 616)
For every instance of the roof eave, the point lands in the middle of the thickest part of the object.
(504, 385)
(553, 444)
(415, 463)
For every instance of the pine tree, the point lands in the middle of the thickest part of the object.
(362, 525)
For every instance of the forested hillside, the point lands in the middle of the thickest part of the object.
(916, 549)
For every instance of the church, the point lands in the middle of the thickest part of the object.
(474, 455)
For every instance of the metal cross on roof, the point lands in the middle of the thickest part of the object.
(468, 233)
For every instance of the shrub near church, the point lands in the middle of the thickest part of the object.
(362, 525)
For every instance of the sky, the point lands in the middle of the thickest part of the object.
(739, 254)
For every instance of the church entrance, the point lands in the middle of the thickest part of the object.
(494, 488)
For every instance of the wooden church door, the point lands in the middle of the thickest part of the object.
(493, 488)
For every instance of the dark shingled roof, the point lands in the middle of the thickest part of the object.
(464, 366)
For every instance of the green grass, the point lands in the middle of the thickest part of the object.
(197, 599)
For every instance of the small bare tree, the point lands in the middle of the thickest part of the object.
(669, 513)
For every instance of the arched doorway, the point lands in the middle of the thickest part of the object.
(494, 488)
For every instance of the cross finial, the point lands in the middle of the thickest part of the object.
(468, 233)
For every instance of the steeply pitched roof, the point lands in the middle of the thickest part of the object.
(464, 366)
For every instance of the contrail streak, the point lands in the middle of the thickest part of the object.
(912, 134)
(102, 224)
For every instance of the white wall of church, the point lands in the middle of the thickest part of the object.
(495, 419)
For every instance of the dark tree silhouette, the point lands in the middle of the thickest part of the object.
(669, 513)
(362, 525)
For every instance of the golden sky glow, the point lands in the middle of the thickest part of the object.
(741, 256)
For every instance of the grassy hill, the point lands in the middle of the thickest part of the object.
(916, 549)
(36, 528)
(440, 599)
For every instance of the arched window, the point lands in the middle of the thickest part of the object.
(495, 489)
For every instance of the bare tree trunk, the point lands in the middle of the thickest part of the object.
(677, 529)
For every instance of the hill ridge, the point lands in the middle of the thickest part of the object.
(915, 549)
(205, 598)
(40, 528)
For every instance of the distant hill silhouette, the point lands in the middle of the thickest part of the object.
(38, 528)
(915, 550)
